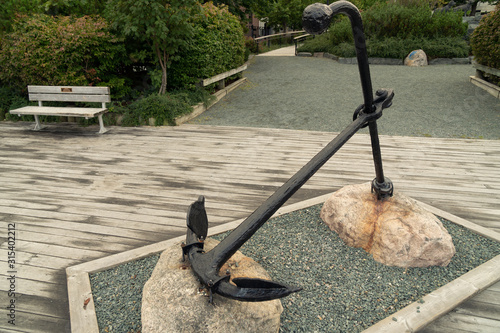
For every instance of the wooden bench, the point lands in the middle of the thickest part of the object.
(66, 94)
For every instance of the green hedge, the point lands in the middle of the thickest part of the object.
(444, 47)
(47, 50)
(485, 40)
(393, 30)
(163, 108)
(217, 46)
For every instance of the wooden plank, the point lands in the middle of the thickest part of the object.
(486, 69)
(74, 89)
(224, 75)
(34, 323)
(463, 323)
(58, 111)
(81, 321)
(485, 85)
(134, 188)
(36, 305)
(69, 98)
(40, 260)
(37, 288)
(480, 309)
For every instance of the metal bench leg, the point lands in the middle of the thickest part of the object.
(38, 125)
(102, 129)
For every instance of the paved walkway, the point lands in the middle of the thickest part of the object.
(288, 51)
(320, 94)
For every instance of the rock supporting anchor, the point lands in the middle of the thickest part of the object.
(206, 266)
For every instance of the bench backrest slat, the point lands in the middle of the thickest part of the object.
(69, 94)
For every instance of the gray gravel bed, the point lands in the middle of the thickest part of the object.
(344, 289)
(320, 94)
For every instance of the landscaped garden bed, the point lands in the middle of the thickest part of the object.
(344, 288)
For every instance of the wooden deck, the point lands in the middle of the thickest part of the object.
(75, 196)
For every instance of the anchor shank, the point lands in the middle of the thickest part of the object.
(231, 243)
(354, 15)
(377, 155)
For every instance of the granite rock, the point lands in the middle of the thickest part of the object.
(396, 231)
(416, 58)
(174, 300)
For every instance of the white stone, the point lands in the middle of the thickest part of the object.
(396, 231)
(416, 58)
(172, 300)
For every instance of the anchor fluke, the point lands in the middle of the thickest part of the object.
(197, 219)
(254, 290)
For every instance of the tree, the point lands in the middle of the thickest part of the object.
(283, 14)
(73, 7)
(10, 8)
(163, 24)
(241, 8)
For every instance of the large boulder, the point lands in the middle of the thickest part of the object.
(174, 301)
(396, 231)
(416, 58)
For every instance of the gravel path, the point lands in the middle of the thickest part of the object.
(344, 289)
(320, 94)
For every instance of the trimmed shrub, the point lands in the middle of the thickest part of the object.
(217, 46)
(163, 108)
(394, 20)
(444, 47)
(393, 30)
(485, 40)
(46, 50)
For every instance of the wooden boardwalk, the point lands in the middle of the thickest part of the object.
(75, 196)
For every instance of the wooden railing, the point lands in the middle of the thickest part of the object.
(300, 39)
(221, 78)
(279, 36)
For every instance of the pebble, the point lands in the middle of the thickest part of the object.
(343, 286)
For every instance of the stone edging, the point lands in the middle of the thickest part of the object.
(384, 61)
(434, 305)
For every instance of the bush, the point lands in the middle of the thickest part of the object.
(45, 50)
(6, 96)
(393, 30)
(396, 48)
(217, 46)
(393, 20)
(485, 40)
(163, 108)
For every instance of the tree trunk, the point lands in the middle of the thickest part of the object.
(162, 59)
(473, 8)
(163, 88)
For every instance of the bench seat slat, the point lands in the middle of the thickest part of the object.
(84, 90)
(59, 111)
(69, 98)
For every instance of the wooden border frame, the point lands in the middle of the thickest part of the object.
(435, 304)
